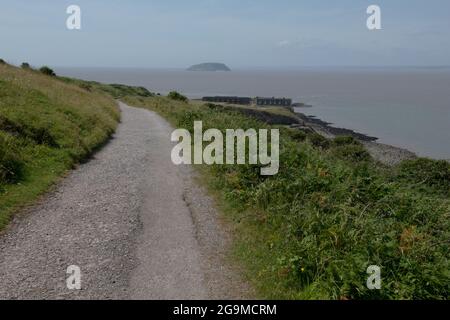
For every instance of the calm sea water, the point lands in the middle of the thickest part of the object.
(408, 108)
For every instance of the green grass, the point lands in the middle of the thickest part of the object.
(311, 231)
(46, 127)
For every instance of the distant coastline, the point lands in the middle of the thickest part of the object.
(384, 153)
(313, 120)
(372, 102)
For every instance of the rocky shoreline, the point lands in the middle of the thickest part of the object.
(386, 154)
(326, 126)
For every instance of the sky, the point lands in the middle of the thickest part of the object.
(240, 33)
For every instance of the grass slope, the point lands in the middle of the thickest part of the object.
(46, 126)
(311, 231)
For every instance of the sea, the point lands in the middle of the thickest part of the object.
(403, 107)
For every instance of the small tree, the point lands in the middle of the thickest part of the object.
(25, 65)
(2, 61)
(177, 96)
(47, 71)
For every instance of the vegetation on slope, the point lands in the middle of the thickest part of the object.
(309, 232)
(117, 91)
(46, 126)
(313, 230)
(177, 96)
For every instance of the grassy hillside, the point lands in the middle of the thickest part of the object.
(312, 230)
(115, 90)
(309, 232)
(46, 126)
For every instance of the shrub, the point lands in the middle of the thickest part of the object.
(47, 71)
(10, 162)
(143, 92)
(345, 140)
(295, 134)
(2, 61)
(319, 141)
(177, 96)
(432, 173)
(352, 152)
(25, 65)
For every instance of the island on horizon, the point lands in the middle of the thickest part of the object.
(210, 66)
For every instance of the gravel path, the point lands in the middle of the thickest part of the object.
(136, 225)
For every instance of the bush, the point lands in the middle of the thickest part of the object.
(143, 92)
(352, 152)
(2, 61)
(295, 134)
(345, 140)
(25, 65)
(10, 162)
(177, 96)
(319, 141)
(47, 71)
(432, 173)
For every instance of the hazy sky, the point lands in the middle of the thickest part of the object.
(241, 33)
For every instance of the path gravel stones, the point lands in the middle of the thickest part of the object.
(136, 225)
